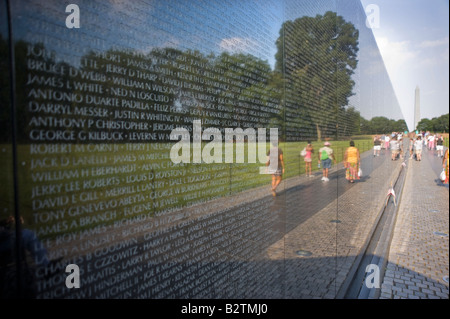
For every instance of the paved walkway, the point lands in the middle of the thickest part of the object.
(334, 234)
(419, 253)
(258, 250)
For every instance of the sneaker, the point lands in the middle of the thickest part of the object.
(326, 179)
(323, 178)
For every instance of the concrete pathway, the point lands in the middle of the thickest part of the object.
(418, 265)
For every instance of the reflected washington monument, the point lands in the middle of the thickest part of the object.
(417, 108)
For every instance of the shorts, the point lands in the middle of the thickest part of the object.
(440, 147)
(418, 152)
(377, 147)
(308, 160)
(326, 163)
(278, 172)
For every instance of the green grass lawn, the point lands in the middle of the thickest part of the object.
(82, 186)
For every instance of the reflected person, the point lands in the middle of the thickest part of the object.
(326, 154)
(445, 162)
(352, 162)
(277, 174)
(8, 259)
(308, 159)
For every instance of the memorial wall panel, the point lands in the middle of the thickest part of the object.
(124, 168)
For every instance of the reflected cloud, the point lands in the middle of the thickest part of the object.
(434, 43)
(237, 45)
(394, 53)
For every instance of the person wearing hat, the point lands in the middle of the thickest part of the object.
(326, 155)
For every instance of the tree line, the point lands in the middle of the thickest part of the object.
(381, 124)
(306, 96)
(436, 124)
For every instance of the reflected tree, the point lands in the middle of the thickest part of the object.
(318, 56)
(382, 125)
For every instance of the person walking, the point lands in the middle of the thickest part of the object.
(445, 166)
(411, 147)
(309, 150)
(326, 155)
(395, 148)
(352, 162)
(401, 147)
(387, 141)
(431, 142)
(418, 148)
(376, 146)
(440, 146)
(277, 174)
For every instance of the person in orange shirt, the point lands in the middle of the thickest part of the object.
(352, 161)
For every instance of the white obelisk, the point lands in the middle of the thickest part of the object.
(417, 108)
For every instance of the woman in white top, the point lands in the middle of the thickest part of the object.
(418, 148)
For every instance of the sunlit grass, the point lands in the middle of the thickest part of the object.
(81, 186)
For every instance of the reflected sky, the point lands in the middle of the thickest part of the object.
(250, 27)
